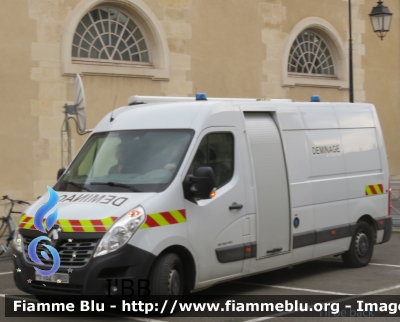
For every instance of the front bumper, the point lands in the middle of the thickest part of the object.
(127, 263)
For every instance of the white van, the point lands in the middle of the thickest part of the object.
(189, 193)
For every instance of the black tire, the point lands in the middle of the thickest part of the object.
(166, 276)
(361, 247)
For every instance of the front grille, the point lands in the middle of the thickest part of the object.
(83, 250)
(57, 288)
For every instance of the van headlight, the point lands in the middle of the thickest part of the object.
(17, 240)
(121, 231)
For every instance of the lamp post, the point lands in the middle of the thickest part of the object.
(381, 17)
(351, 89)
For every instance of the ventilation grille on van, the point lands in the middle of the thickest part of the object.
(72, 254)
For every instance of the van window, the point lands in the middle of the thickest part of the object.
(86, 163)
(125, 161)
(215, 151)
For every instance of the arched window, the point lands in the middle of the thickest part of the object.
(310, 54)
(115, 38)
(314, 55)
(111, 35)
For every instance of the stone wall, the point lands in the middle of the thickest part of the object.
(47, 104)
(273, 14)
(178, 31)
(227, 48)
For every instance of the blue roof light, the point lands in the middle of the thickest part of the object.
(315, 98)
(201, 97)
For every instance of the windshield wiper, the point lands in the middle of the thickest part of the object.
(78, 185)
(118, 184)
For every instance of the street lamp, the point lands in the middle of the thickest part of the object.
(351, 89)
(381, 17)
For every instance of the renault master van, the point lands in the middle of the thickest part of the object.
(189, 193)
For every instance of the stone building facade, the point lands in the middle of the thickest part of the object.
(226, 48)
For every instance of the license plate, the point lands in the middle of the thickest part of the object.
(55, 278)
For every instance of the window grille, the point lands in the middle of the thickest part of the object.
(310, 55)
(107, 34)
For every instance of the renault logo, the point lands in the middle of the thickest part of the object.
(53, 235)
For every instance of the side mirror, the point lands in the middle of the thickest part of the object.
(199, 186)
(60, 173)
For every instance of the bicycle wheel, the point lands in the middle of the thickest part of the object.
(4, 242)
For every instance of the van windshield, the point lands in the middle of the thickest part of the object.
(125, 161)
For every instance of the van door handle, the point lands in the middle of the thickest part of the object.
(275, 250)
(235, 206)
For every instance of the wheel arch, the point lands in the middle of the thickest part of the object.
(188, 263)
(371, 222)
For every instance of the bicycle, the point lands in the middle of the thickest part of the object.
(7, 224)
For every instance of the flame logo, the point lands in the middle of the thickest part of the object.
(38, 222)
(43, 210)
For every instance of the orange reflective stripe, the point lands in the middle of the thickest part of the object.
(87, 226)
(159, 219)
(65, 225)
(101, 225)
(378, 189)
(22, 218)
(179, 215)
(374, 189)
(73, 225)
(166, 218)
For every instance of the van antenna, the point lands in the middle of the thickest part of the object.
(111, 117)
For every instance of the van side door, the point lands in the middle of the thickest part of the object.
(269, 166)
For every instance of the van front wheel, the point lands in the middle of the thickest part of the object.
(166, 277)
(361, 247)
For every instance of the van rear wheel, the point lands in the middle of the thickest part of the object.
(166, 277)
(361, 247)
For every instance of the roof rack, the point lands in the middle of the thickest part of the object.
(136, 99)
